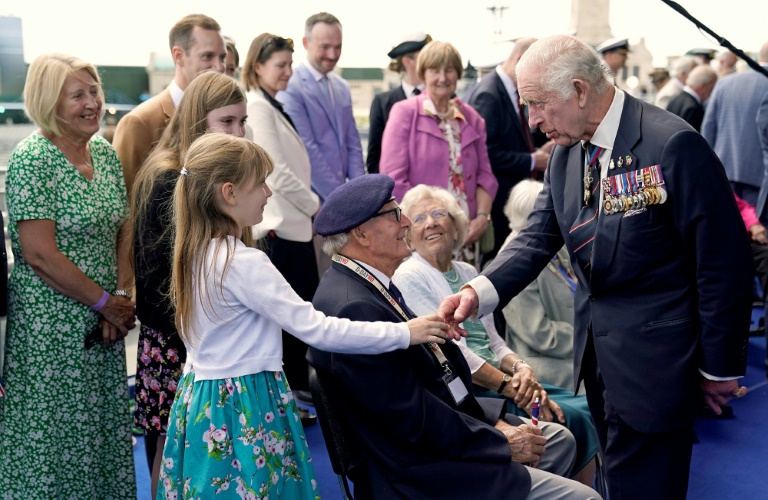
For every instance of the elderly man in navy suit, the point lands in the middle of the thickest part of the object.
(662, 308)
(510, 142)
(419, 431)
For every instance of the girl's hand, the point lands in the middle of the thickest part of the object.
(429, 329)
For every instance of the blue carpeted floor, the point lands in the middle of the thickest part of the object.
(728, 461)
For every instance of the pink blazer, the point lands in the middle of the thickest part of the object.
(414, 151)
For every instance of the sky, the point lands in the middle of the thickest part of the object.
(109, 32)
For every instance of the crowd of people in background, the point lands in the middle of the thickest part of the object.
(521, 284)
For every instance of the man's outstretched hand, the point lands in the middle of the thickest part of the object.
(455, 308)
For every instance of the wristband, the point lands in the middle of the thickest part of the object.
(484, 215)
(102, 301)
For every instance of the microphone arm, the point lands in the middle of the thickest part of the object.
(722, 41)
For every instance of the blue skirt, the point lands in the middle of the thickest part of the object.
(236, 438)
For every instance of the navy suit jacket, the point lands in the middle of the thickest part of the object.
(507, 147)
(688, 108)
(411, 431)
(669, 288)
(380, 108)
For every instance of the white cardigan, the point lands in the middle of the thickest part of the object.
(424, 287)
(290, 209)
(240, 332)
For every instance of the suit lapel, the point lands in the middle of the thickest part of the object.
(573, 198)
(393, 96)
(166, 103)
(312, 88)
(379, 297)
(426, 123)
(606, 238)
(509, 106)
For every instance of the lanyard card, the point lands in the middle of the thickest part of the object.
(456, 387)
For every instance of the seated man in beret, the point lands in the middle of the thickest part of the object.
(418, 430)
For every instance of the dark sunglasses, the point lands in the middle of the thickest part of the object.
(397, 210)
(280, 43)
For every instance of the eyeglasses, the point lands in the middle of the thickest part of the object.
(280, 43)
(397, 210)
(421, 219)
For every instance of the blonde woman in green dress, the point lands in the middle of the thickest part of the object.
(64, 423)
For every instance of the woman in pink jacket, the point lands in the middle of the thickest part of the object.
(436, 139)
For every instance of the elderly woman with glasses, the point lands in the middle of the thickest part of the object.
(437, 140)
(438, 227)
(287, 224)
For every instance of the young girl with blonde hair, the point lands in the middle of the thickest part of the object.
(234, 428)
(212, 102)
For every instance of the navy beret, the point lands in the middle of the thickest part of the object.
(412, 43)
(353, 203)
(613, 44)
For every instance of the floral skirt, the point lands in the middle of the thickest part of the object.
(237, 437)
(158, 369)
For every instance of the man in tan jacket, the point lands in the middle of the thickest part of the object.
(196, 45)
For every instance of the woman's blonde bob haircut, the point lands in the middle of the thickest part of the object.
(42, 90)
(422, 192)
(211, 161)
(435, 55)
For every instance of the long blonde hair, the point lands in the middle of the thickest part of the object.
(211, 161)
(207, 92)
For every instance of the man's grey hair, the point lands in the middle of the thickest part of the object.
(334, 243)
(681, 66)
(701, 75)
(562, 59)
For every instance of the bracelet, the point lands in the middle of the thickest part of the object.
(102, 301)
(486, 215)
(123, 293)
(520, 361)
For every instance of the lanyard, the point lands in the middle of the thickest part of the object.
(353, 266)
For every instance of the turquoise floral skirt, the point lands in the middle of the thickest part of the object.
(236, 438)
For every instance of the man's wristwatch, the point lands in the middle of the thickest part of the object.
(504, 382)
(485, 215)
(123, 293)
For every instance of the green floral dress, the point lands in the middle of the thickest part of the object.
(65, 424)
(238, 438)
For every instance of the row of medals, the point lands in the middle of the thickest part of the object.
(621, 194)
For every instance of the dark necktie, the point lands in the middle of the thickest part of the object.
(524, 124)
(393, 290)
(582, 232)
